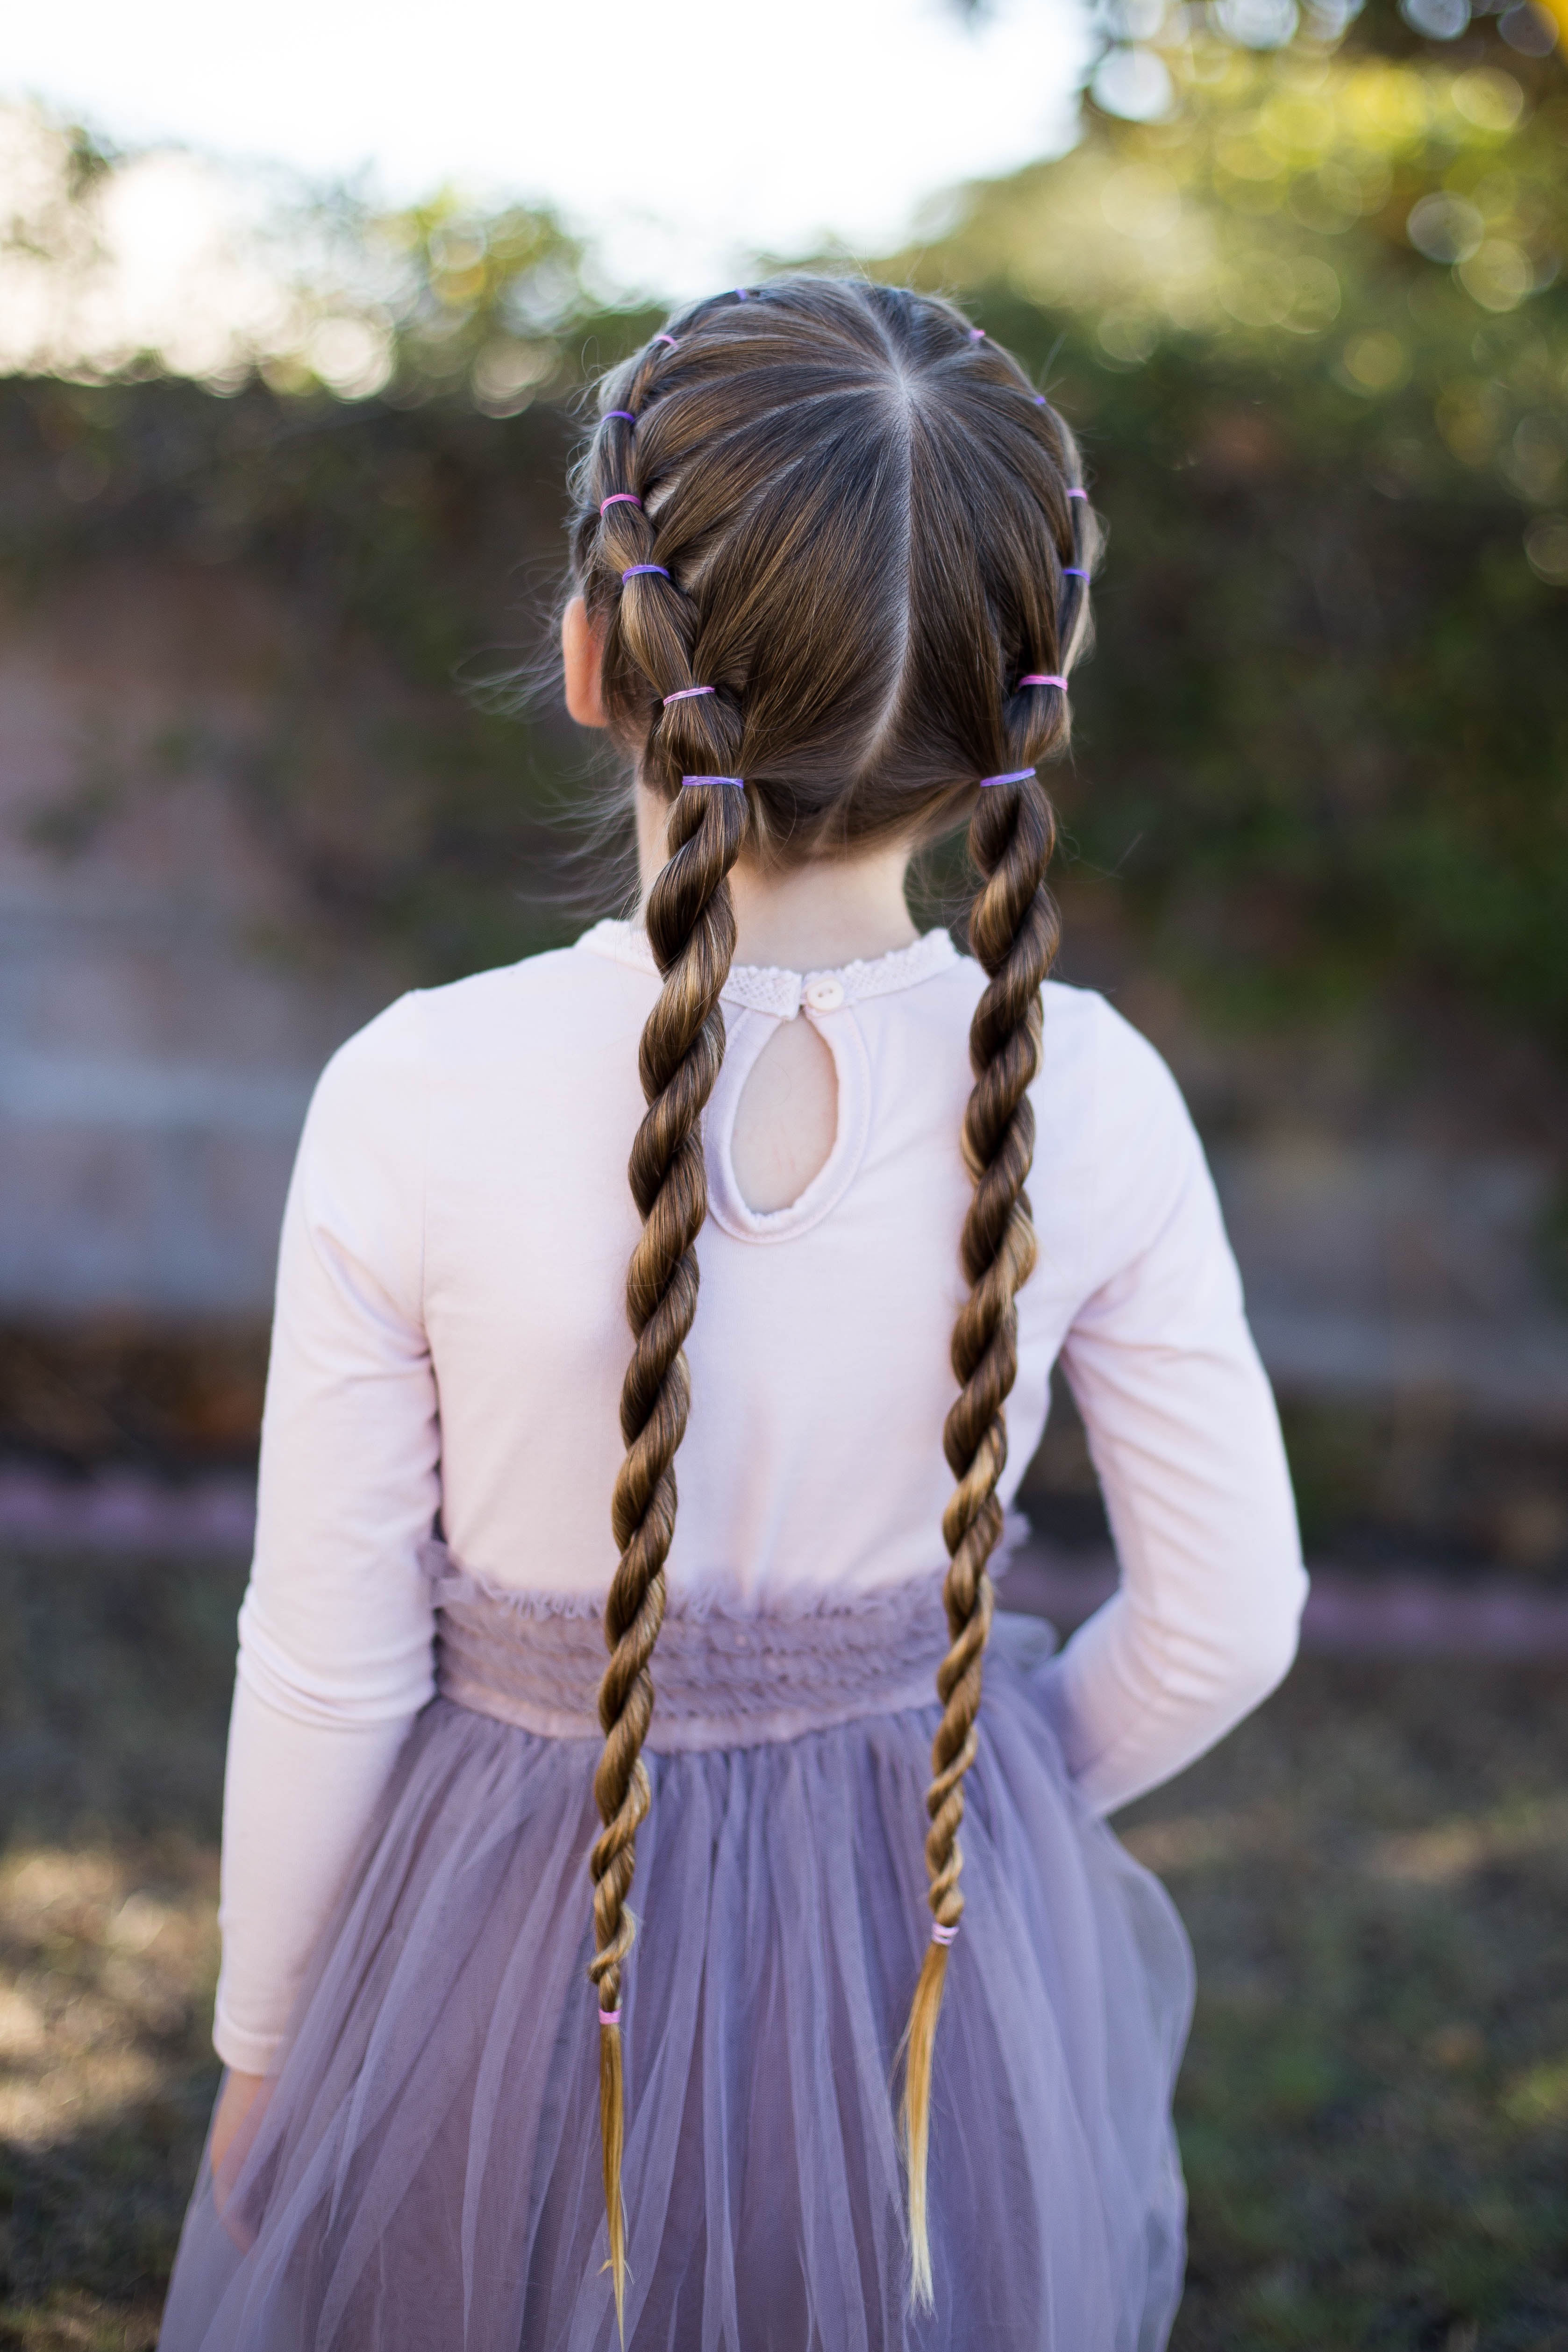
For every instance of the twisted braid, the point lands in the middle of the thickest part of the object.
(1014, 934)
(691, 929)
(691, 925)
(1013, 931)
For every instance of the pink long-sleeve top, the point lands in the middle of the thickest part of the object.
(451, 1335)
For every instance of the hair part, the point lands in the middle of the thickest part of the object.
(851, 517)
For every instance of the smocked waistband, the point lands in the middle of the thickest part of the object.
(722, 1677)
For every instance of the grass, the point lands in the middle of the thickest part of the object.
(1374, 2109)
(1374, 1870)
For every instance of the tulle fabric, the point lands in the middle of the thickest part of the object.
(423, 2170)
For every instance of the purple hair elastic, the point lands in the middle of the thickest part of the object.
(1040, 401)
(1077, 494)
(620, 499)
(939, 1934)
(1073, 571)
(1043, 677)
(1013, 776)
(685, 693)
(634, 570)
(631, 419)
(667, 338)
(738, 782)
(742, 295)
(609, 2017)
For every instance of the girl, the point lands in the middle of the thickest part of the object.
(830, 571)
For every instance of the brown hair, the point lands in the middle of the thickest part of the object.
(851, 515)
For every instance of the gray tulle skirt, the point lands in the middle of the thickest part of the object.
(422, 2172)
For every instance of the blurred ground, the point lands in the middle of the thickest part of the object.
(113, 1698)
(1374, 2110)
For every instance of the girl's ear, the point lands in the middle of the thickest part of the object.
(582, 659)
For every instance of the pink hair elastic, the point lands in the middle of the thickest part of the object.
(977, 334)
(667, 338)
(685, 693)
(631, 419)
(939, 1934)
(1013, 776)
(620, 499)
(609, 2017)
(1077, 494)
(1042, 677)
(738, 782)
(634, 571)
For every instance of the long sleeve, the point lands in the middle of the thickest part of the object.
(335, 1630)
(1183, 1434)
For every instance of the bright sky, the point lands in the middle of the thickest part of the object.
(682, 133)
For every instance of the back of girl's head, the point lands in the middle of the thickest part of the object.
(859, 511)
(838, 552)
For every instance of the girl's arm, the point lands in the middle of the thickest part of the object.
(1185, 1436)
(235, 2101)
(335, 1632)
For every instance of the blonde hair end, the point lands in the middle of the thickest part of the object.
(612, 2136)
(919, 2042)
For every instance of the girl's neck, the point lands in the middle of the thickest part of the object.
(815, 918)
(811, 918)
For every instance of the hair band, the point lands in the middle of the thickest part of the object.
(609, 2017)
(977, 334)
(685, 693)
(1040, 401)
(1072, 494)
(1013, 776)
(1043, 677)
(1073, 571)
(742, 295)
(631, 419)
(738, 782)
(633, 570)
(665, 339)
(939, 1934)
(620, 499)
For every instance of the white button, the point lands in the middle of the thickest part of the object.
(824, 995)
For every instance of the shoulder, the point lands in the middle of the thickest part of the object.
(574, 989)
(1144, 1176)
(381, 1065)
(564, 998)
(1087, 1049)
(1096, 1069)
(1129, 1079)
(1111, 1128)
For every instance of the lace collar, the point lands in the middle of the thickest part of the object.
(765, 988)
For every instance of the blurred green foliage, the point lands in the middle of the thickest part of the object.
(1310, 327)
(1309, 321)
(408, 557)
